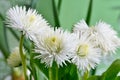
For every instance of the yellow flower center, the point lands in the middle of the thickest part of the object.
(54, 44)
(32, 18)
(53, 39)
(83, 50)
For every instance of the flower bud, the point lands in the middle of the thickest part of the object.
(14, 58)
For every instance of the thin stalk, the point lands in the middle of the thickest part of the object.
(30, 76)
(79, 75)
(59, 6)
(86, 74)
(2, 17)
(4, 51)
(23, 57)
(33, 3)
(50, 73)
(6, 37)
(89, 12)
(56, 72)
(32, 62)
(5, 33)
(56, 17)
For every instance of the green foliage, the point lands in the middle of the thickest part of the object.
(94, 78)
(112, 71)
(56, 16)
(3, 44)
(68, 72)
(117, 78)
(89, 12)
(36, 66)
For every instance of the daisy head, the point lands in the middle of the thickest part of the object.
(102, 36)
(27, 21)
(85, 55)
(105, 37)
(54, 46)
(80, 27)
(14, 59)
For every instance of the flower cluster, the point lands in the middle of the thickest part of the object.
(84, 46)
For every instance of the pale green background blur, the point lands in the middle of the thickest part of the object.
(71, 12)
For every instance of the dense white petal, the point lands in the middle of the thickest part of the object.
(106, 38)
(102, 35)
(87, 57)
(54, 46)
(80, 26)
(15, 16)
(27, 21)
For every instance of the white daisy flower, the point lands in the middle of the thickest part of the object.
(105, 37)
(85, 55)
(14, 59)
(80, 27)
(28, 21)
(54, 46)
(102, 35)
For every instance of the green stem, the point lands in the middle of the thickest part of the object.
(59, 6)
(6, 37)
(5, 50)
(89, 12)
(86, 74)
(23, 57)
(56, 72)
(55, 12)
(32, 63)
(50, 73)
(79, 75)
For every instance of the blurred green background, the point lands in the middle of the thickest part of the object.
(70, 12)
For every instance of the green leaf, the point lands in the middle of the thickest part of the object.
(55, 13)
(33, 3)
(117, 78)
(112, 71)
(59, 5)
(3, 44)
(94, 78)
(40, 75)
(89, 12)
(68, 72)
(41, 67)
(35, 63)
